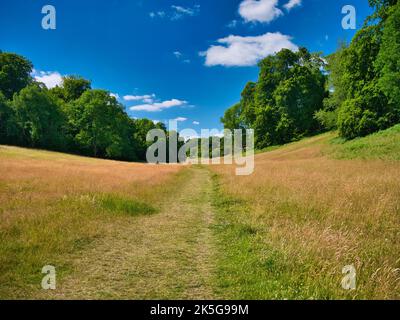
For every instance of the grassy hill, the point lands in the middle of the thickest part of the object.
(121, 230)
(383, 145)
(288, 230)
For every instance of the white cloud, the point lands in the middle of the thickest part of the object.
(232, 24)
(115, 95)
(51, 79)
(246, 51)
(179, 11)
(259, 10)
(180, 119)
(160, 14)
(196, 123)
(147, 98)
(159, 106)
(177, 54)
(291, 4)
(176, 12)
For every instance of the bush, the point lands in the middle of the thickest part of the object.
(354, 121)
(328, 119)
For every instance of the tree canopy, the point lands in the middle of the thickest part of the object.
(14, 73)
(355, 90)
(280, 106)
(71, 117)
(365, 75)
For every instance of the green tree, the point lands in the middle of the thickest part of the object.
(232, 117)
(99, 126)
(9, 130)
(14, 73)
(248, 111)
(39, 117)
(142, 127)
(388, 60)
(366, 75)
(72, 88)
(280, 107)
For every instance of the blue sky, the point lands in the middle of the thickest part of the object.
(170, 59)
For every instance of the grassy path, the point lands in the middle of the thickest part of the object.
(169, 255)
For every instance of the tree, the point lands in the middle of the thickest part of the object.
(232, 117)
(280, 106)
(365, 75)
(99, 126)
(388, 60)
(39, 117)
(142, 127)
(247, 102)
(72, 88)
(9, 130)
(14, 73)
(382, 8)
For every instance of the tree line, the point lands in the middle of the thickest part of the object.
(355, 90)
(71, 117)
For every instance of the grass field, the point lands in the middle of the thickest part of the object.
(383, 145)
(290, 228)
(54, 206)
(135, 231)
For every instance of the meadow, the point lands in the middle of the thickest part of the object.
(54, 205)
(118, 230)
(308, 211)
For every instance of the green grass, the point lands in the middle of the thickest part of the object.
(247, 267)
(383, 145)
(123, 205)
(305, 142)
(287, 231)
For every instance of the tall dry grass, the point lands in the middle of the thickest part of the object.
(53, 205)
(309, 216)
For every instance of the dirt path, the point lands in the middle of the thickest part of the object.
(165, 256)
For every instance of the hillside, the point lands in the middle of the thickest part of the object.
(125, 230)
(383, 145)
(307, 212)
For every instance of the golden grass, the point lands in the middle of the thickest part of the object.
(312, 216)
(122, 230)
(51, 207)
(164, 256)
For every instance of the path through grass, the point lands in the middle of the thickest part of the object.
(168, 255)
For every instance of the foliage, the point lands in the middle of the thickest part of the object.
(328, 119)
(356, 92)
(8, 127)
(388, 60)
(232, 117)
(280, 107)
(14, 73)
(70, 117)
(72, 88)
(365, 75)
(99, 126)
(39, 117)
(142, 127)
